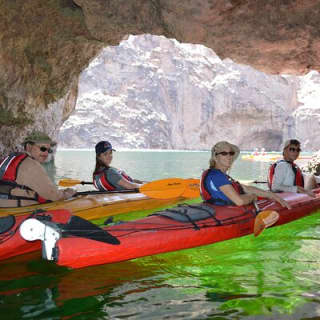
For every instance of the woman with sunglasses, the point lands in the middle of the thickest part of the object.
(285, 175)
(218, 188)
(23, 180)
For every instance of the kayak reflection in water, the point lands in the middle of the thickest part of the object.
(106, 178)
(218, 188)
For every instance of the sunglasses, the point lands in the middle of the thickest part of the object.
(44, 149)
(225, 153)
(294, 149)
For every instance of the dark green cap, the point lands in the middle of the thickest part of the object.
(39, 137)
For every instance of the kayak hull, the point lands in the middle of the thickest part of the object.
(97, 206)
(158, 234)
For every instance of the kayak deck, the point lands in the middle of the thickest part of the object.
(98, 205)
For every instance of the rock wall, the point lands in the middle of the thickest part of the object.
(272, 36)
(154, 92)
(44, 45)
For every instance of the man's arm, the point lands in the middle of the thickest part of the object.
(32, 174)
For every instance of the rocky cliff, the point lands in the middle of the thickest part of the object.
(154, 92)
(44, 46)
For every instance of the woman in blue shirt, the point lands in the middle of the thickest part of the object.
(219, 188)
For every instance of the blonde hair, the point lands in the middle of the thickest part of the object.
(220, 146)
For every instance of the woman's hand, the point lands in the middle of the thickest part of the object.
(253, 197)
(68, 193)
(278, 199)
(308, 192)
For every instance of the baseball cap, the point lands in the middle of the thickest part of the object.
(103, 146)
(290, 141)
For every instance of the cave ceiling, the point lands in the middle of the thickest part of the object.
(44, 45)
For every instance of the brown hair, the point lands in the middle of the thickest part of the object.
(99, 166)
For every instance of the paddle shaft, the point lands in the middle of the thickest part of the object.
(168, 188)
(85, 182)
(106, 192)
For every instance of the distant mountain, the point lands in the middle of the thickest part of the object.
(153, 92)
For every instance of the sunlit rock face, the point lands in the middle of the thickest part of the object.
(44, 45)
(153, 92)
(307, 115)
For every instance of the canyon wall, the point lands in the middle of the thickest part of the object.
(154, 92)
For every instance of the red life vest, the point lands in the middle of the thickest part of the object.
(206, 195)
(8, 174)
(101, 182)
(298, 181)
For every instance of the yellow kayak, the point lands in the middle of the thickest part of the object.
(95, 206)
(270, 157)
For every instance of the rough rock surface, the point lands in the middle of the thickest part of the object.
(154, 92)
(44, 45)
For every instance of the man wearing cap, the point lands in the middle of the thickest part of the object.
(286, 176)
(106, 178)
(23, 180)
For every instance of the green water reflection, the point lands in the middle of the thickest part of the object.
(275, 276)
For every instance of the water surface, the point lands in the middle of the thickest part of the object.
(274, 276)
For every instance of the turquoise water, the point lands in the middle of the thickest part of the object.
(274, 276)
(151, 165)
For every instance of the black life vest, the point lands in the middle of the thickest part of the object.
(9, 167)
(101, 182)
(206, 195)
(298, 181)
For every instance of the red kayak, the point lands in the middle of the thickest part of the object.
(11, 242)
(80, 244)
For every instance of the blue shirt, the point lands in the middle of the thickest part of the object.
(212, 183)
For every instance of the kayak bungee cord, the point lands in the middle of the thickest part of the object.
(132, 227)
(246, 215)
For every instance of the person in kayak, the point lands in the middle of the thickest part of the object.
(107, 178)
(285, 175)
(23, 180)
(218, 188)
